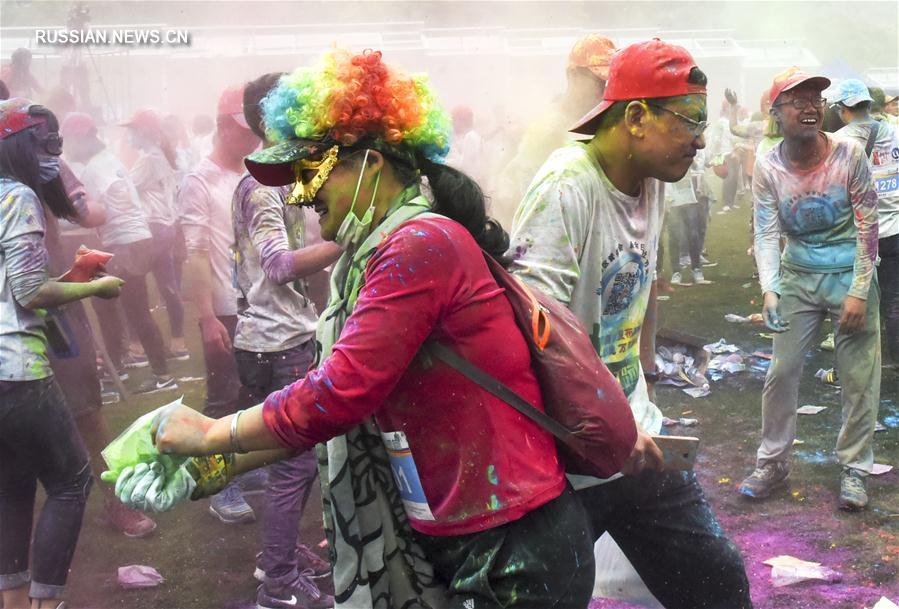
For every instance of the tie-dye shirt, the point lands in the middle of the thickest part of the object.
(587, 244)
(23, 270)
(828, 215)
(274, 313)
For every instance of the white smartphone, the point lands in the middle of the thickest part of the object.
(679, 451)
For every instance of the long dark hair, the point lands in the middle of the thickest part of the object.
(459, 198)
(19, 162)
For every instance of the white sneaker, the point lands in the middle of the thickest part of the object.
(699, 278)
(676, 279)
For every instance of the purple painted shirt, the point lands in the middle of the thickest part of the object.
(828, 215)
(274, 312)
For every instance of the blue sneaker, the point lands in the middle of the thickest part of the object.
(230, 507)
(298, 593)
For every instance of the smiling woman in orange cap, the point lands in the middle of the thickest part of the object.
(587, 232)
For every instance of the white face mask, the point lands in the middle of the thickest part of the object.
(49, 168)
(353, 231)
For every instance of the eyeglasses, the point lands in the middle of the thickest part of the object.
(52, 144)
(696, 128)
(801, 103)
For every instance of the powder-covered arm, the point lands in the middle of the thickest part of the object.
(863, 198)
(766, 225)
(22, 227)
(281, 264)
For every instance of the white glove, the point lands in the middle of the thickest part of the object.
(146, 487)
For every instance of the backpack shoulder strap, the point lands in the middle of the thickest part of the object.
(872, 138)
(494, 386)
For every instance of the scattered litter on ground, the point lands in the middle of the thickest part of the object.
(762, 355)
(880, 427)
(880, 469)
(697, 392)
(747, 285)
(787, 570)
(721, 346)
(828, 377)
(110, 397)
(810, 409)
(754, 319)
(797, 442)
(766, 335)
(139, 576)
(683, 421)
(730, 363)
(663, 298)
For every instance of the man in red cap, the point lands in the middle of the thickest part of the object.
(587, 232)
(205, 203)
(817, 192)
(586, 74)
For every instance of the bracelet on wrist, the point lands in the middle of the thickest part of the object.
(235, 440)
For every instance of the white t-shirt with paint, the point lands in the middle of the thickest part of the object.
(106, 180)
(884, 159)
(205, 200)
(581, 240)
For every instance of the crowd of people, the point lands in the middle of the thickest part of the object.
(326, 230)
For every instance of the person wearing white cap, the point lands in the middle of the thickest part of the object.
(882, 148)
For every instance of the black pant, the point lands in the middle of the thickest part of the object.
(683, 227)
(222, 380)
(667, 530)
(541, 561)
(39, 441)
(888, 278)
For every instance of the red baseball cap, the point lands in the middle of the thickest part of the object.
(146, 119)
(14, 116)
(77, 124)
(792, 78)
(231, 104)
(643, 71)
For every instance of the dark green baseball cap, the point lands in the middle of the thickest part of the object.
(273, 166)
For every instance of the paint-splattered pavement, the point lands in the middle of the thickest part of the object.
(209, 565)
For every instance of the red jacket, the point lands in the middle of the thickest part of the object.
(481, 464)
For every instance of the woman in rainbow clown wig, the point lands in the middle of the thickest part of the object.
(436, 493)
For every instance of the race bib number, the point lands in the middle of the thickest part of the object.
(888, 185)
(406, 475)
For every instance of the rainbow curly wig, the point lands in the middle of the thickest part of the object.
(354, 98)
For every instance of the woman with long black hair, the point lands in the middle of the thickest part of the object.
(38, 437)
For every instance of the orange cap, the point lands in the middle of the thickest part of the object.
(146, 119)
(231, 104)
(593, 52)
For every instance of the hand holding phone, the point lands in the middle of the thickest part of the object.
(679, 451)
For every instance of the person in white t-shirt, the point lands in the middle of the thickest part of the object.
(153, 174)
(587, 233)
(205, 200)
(126, 235)
(882, 148)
